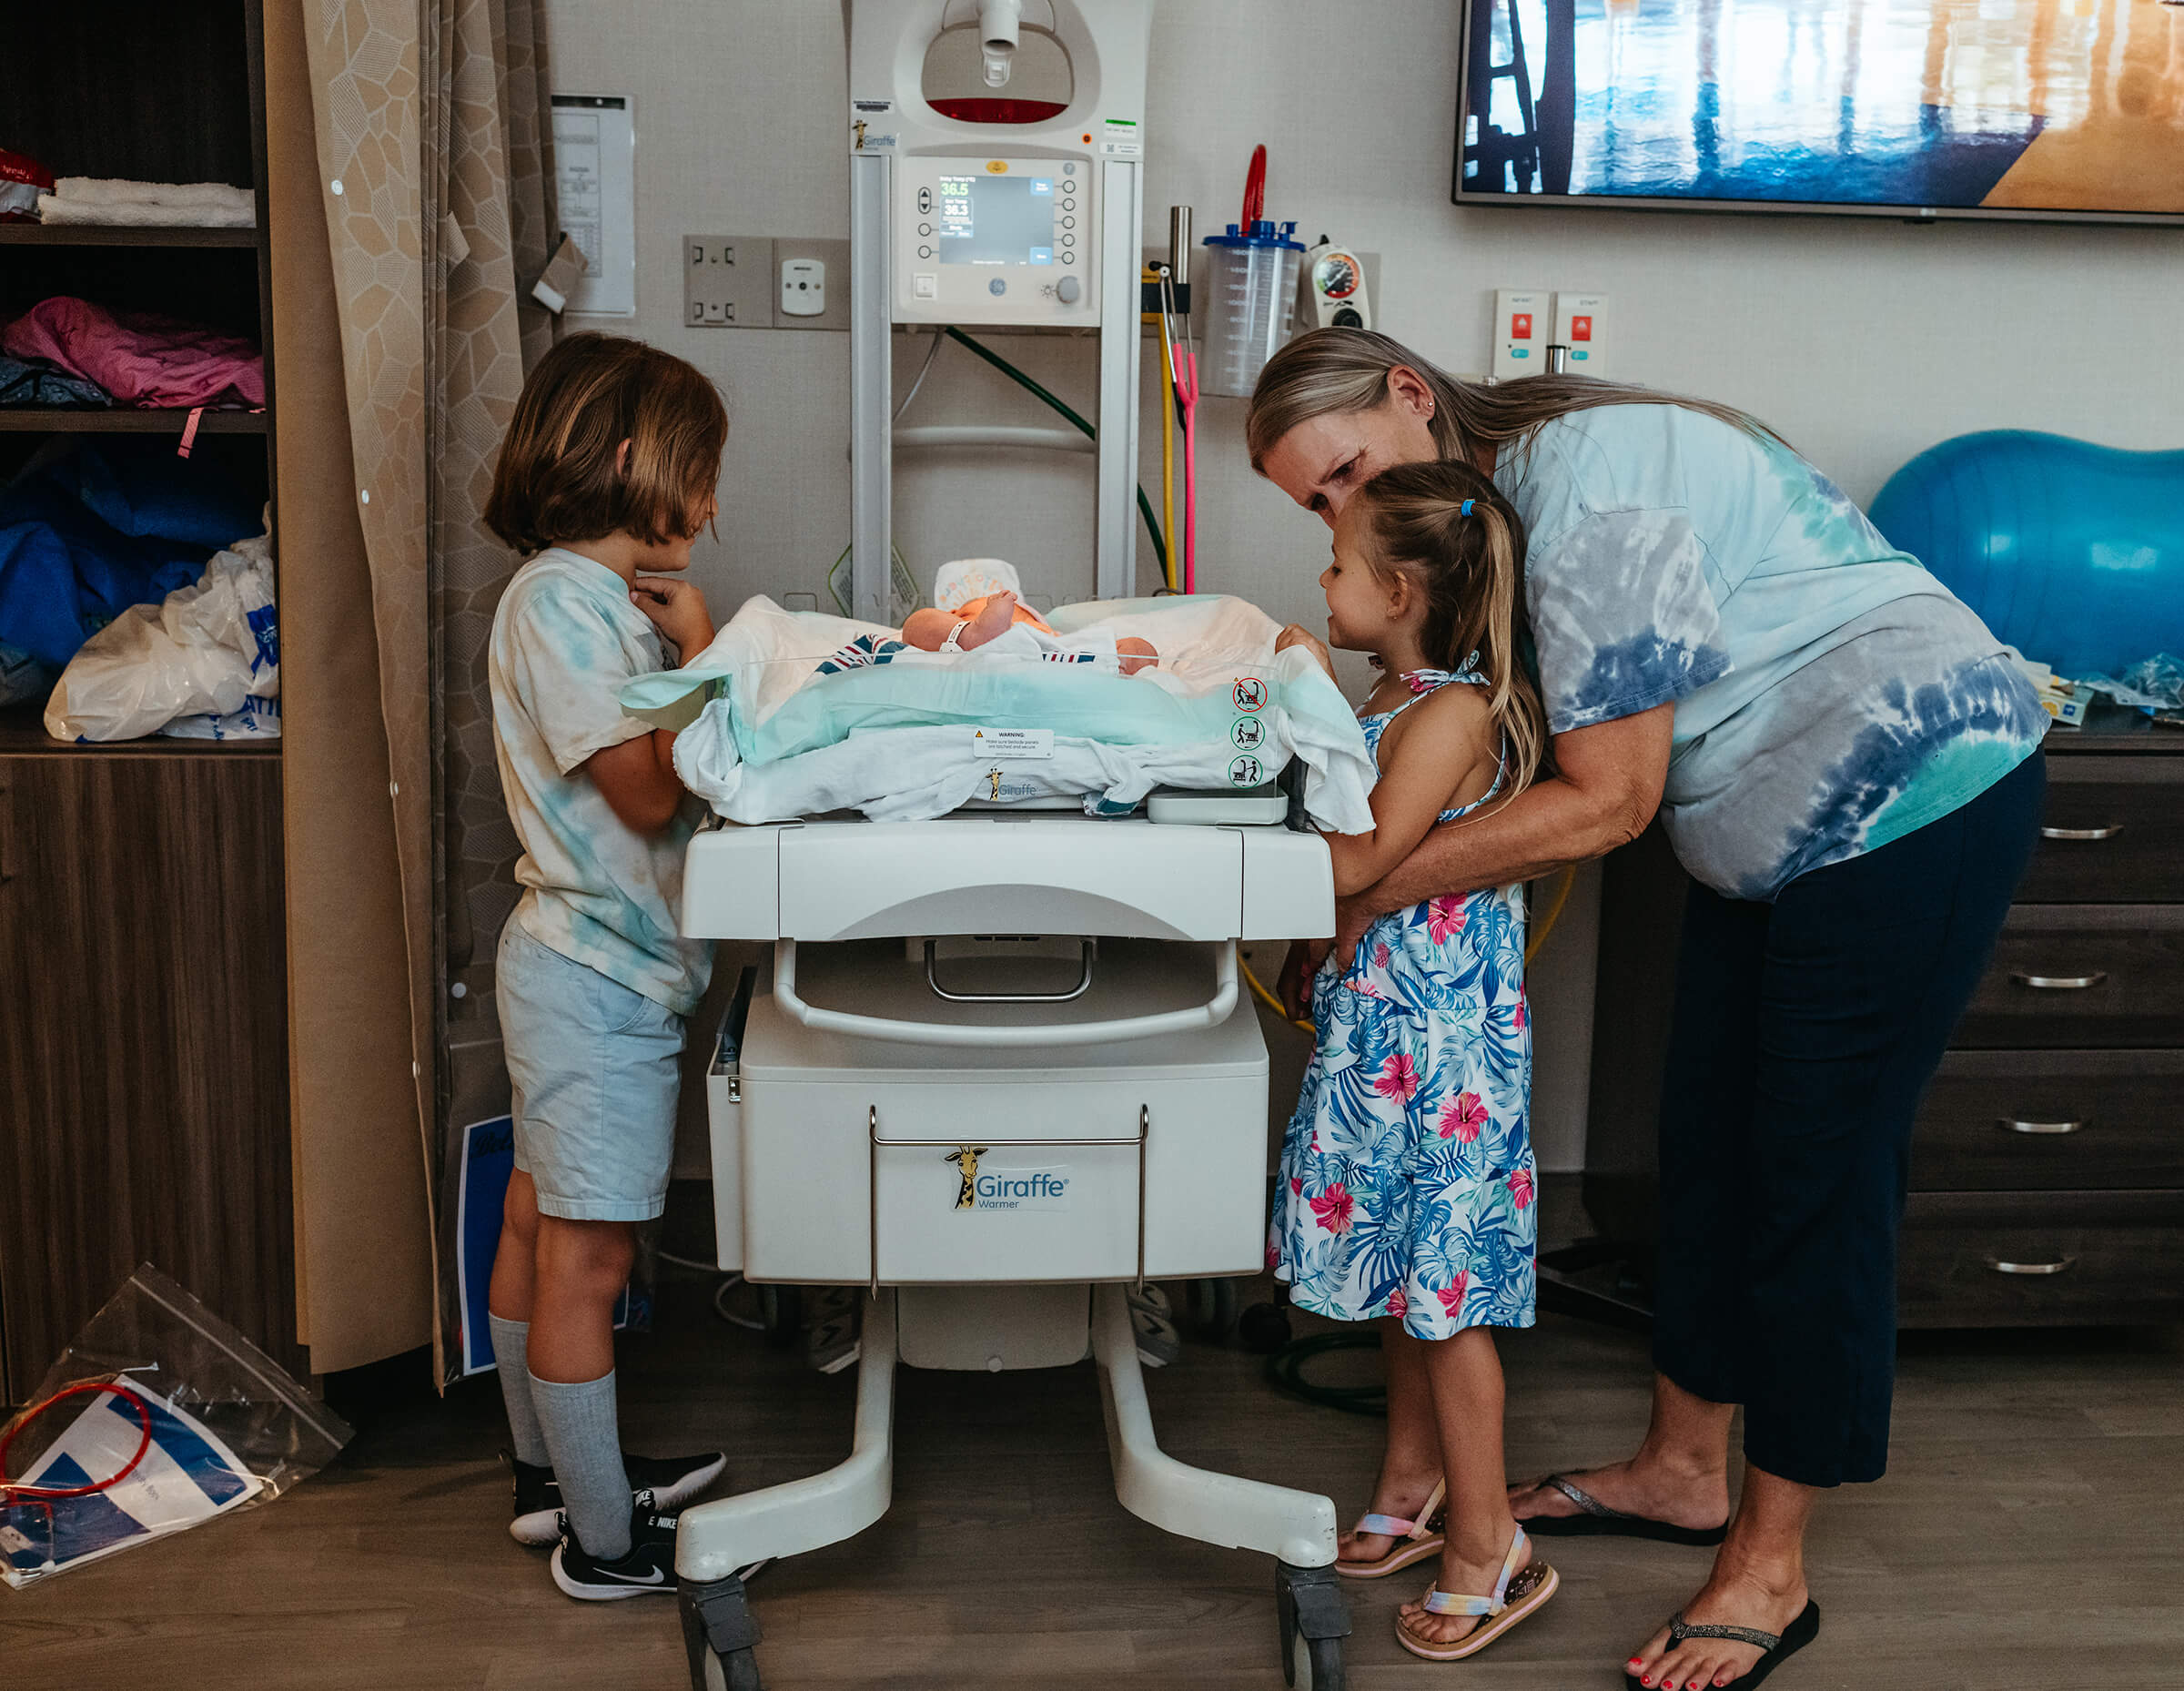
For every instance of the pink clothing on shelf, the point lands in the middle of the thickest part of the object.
(141, 359)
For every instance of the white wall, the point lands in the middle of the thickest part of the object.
(1862, 341)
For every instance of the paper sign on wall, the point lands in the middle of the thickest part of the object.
(595, 183)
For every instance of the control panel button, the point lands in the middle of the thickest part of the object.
(1069, 170)
(1069, 258)
(1069, 240)
(1068, 290)
(924, 199)
(1068, 223)
(925, 252)
(924, 228)
(926, 287)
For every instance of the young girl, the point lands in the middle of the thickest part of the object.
(1407, 1175)
(605, 479)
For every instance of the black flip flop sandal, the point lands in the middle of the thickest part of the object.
(1779, 1648)
(1600, 1520)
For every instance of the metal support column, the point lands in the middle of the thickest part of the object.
(871, 383)
(1120, 306)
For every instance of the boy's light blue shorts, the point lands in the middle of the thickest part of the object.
(595, 1067)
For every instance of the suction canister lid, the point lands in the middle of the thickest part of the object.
(1262, 233)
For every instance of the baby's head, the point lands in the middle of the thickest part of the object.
(610, 436)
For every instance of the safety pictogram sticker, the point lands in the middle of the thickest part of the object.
(1247, 733)
(1250, 693)
(1247, 771)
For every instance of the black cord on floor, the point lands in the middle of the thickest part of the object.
(1285, 1373)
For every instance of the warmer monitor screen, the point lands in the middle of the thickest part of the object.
(990, 219)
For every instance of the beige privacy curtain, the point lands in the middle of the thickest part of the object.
(431, 139)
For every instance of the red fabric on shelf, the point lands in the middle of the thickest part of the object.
(143, 360)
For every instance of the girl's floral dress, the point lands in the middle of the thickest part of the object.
(1407, 1179)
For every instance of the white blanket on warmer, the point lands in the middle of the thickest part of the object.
(790, 714)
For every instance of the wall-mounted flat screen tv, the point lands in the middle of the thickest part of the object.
(1985, 108)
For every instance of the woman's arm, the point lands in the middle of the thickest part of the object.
(1605, 789)
(1439, 746)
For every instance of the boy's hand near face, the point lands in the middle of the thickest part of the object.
(677, 609)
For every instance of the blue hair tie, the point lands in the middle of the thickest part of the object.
(1467, 508)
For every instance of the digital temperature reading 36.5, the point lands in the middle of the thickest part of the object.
(996, 220)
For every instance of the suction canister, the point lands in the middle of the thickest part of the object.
(1251, 301)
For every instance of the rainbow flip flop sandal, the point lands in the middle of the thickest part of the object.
(1415, 1539)
(1524, 1585)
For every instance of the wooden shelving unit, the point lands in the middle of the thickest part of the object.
(144, 1041)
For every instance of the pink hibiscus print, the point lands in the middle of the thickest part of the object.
(1380, 953)
(1399, 1079)
(1399, 1305)
(1296, 1185)
(1334, 1209)
(1464, 1118)
(1273, 1254)
(1444, 916)
(1524, 1011)
(1520, 1188)
(1452, 1297)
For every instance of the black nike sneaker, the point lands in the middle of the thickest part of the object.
(673, 1481)
(649, 1565)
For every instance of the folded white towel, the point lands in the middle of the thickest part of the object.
(107, 200)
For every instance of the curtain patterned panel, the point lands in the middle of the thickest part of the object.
(433, 139)
(364, 69)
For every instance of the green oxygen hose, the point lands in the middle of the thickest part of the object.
(1145, 505)
(1285, 1373)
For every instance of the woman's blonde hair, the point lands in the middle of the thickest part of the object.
(1443, 527)
(560, 475)
(1346, 370)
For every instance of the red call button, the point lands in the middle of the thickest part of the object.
(1520, 326)
(1581, 329)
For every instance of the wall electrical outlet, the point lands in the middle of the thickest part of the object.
(727, 281)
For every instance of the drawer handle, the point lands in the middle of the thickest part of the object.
(2060, 983)
(2108, 833)
(2056, 1267)
(2010, 1124)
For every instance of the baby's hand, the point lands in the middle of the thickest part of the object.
(1297, 635)
(677, 609)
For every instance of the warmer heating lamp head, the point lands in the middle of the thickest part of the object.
(999, 22)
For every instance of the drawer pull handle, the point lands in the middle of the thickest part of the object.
(2009, 1124)
(2060, 983)
(2108, 833)
(2056, 1267)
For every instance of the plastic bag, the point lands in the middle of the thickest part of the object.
(157, 1417)
(2155, 683)
(209, 654)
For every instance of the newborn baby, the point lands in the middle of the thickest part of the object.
(978, 599)
(978, 620)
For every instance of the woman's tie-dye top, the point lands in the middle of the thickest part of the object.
(1831, 695)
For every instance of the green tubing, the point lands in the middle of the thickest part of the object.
(1145, 505)
(1285, 1373)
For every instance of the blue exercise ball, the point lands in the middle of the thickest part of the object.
(2073, 554)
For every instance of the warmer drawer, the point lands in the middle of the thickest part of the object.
(2109, 832)
(2044, 1258)
(2051, 1121)
(2077, 976)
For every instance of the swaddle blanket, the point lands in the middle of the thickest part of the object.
(790, 714)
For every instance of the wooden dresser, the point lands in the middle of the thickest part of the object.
(2047, 1168)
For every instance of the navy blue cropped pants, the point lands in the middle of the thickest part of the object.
(1804, 1032)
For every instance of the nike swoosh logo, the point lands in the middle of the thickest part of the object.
(653, 1577)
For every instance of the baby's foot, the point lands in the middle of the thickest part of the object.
(1136, 654)
(996, 617)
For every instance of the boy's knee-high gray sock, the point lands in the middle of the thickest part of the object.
(585, 1439)
(511, 1340)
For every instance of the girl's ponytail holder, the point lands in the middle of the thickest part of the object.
(1466, 509)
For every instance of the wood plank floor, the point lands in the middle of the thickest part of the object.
(2026, 1537)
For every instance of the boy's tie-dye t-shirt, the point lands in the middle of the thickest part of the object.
(1831, 695)
(565, 639)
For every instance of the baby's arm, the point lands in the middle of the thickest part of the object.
(1443, 748)
(927, 629)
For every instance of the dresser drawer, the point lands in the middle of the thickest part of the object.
(2075, 976)
(2113, 830)
(2041, 1259)
(2016, 1122)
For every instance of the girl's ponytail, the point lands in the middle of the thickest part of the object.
(1443, 524)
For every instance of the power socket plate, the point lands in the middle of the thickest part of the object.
(734, 281)
(728, 281)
